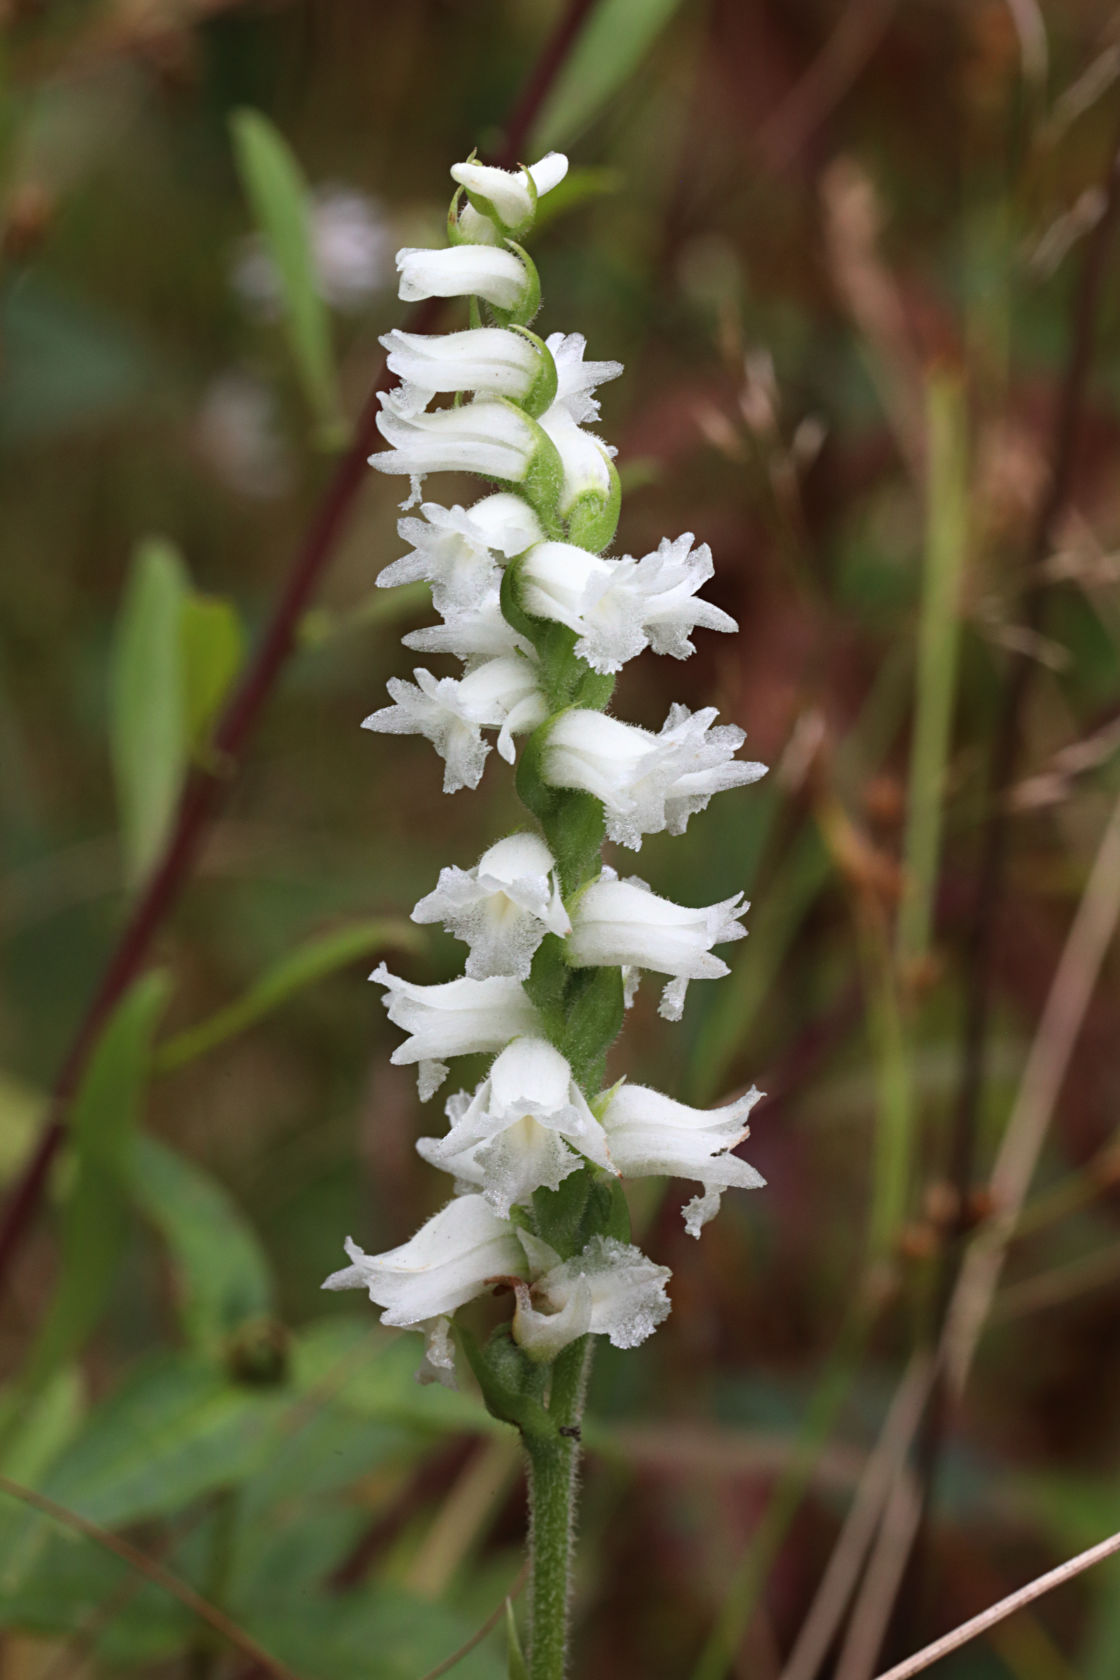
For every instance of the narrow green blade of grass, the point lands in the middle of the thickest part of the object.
(938, 641)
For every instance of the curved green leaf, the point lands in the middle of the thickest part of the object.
(222, 1274)
(312, 962)
(614, 41)
(275, 186)
(147, 726)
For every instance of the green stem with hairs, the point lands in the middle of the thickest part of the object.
(553, 1474)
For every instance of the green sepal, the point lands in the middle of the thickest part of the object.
(588, 1204)
(544, 476)
(542, 392)
(573, 821)
(513, 1387)
(510, 600)
(618, 1215)
(547, 986)
(560, 1213)
(593, 518)
(517, 1667)
(566, 678)
(528, 304)
(594, 1010)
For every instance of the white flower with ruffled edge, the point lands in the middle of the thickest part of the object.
(472, 634)
(452, 712)
(576, 379)
(619, 607)
(623, 924)
(647, 783)
(651, 1134)
(456, 1018)
(610, 1289)
(502, 908)
(451, 1259)
(459, 550)
(526, 1128)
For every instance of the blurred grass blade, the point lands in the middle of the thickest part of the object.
(938, 640)
(613, 43)
(94, 1224)
(517, 1668)
(222, 1275)
(275, 186)
(45, 1428)
(147, 734)
(312, 962)
(212, 645)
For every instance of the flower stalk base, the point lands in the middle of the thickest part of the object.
(553, 1469)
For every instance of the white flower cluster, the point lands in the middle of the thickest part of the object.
(523, 555)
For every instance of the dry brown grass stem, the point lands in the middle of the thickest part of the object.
(1093, 929)
(977, 1625)
(858, 1533)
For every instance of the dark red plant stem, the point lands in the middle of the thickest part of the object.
(1003, 771)
(204, 789)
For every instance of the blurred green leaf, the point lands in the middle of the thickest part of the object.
(517, 1669)
(94, 1223)
(45, 1428)
(611, 46)
(372, 1373)
(275, 186)
(147, 729)
(21, 1113)
(222, 1274)
(67, 1594)
(332, 1639)
(177, 1428)
(312, 962)
(578, 187)
(66, 364)
(212, 645)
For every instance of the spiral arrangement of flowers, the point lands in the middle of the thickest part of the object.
(542, 620)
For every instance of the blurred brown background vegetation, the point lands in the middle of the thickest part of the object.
(806, 228)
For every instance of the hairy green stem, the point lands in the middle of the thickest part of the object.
(553, 1487)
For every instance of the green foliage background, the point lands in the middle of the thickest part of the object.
(844, 306)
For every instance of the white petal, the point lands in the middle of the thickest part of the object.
(456, 1018)
(622, 923)
(462, 271)
(487, 359)
(525, 1128)
(610, 1289)
(652, 1134)
(507, 190)
(447, 1263)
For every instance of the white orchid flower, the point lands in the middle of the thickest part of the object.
(647, 783)
(527, 1127)
(502, 908)
(651, 1134)
(623, 924)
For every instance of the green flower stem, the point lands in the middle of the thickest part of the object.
(553, 1466)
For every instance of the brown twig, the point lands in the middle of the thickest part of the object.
(204, 789)
(154, 1572)
(950, 1642)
